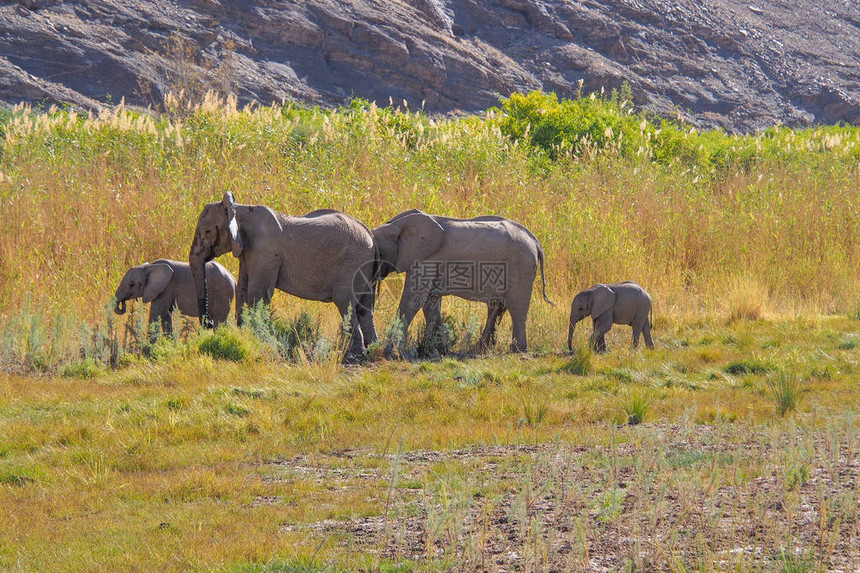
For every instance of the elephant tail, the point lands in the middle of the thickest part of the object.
(542, 276)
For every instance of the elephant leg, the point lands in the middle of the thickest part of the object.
(241, 293)
(646, 331)
(365, 323)
(495, 311)
(600, 343)
(432, 310)
(365, 291)
(637, 330)
(410, 302)
(158, 314)
(167, 322)
(641, 325)
(261, 285)
(518, 320)
(601, 324)
(348, 308)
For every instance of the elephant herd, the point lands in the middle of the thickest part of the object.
(331, 256)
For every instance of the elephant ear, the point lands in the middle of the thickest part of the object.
(604, 299)
(420, 236)
(232, 224)
(158, 275)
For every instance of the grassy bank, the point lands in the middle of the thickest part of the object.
(728, 447)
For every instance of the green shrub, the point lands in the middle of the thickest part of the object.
(599, 125)
(582, 126)
(164, 348)
(439, 341)
(83, 368)
(225, 343)
(395, 334)
(286, 336)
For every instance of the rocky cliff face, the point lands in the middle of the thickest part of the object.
(728, 63)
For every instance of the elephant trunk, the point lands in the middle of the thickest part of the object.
(120, 307)
(197, 262)
(570, 335)
(574, 318)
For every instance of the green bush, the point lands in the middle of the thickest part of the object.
(439, 341)
(84, 368)
(226, 343)
(598, 125)
(582, 126)
(286, 336)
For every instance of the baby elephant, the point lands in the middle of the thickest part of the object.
(620, 303)
(168, 284)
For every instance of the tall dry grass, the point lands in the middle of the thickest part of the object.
(775, 230)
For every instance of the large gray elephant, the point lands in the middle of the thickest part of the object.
(325, 255)
(488, 259)
(168, 284)
(620, 303)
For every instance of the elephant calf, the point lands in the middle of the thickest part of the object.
(620, 303)
(168, 284)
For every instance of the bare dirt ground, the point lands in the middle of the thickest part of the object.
(670, 497)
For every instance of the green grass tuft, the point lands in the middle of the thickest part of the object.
(635, 402)
(741, 367)
(579, 363)
(786, 390)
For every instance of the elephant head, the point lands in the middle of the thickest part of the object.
(410, 237)
(593, 302)
(145, 281)
(217, 232)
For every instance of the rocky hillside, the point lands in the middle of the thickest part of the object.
(730, 63)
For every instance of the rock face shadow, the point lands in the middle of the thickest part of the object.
(735, 66)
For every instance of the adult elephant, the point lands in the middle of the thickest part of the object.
(488, 259)
(325, 255)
